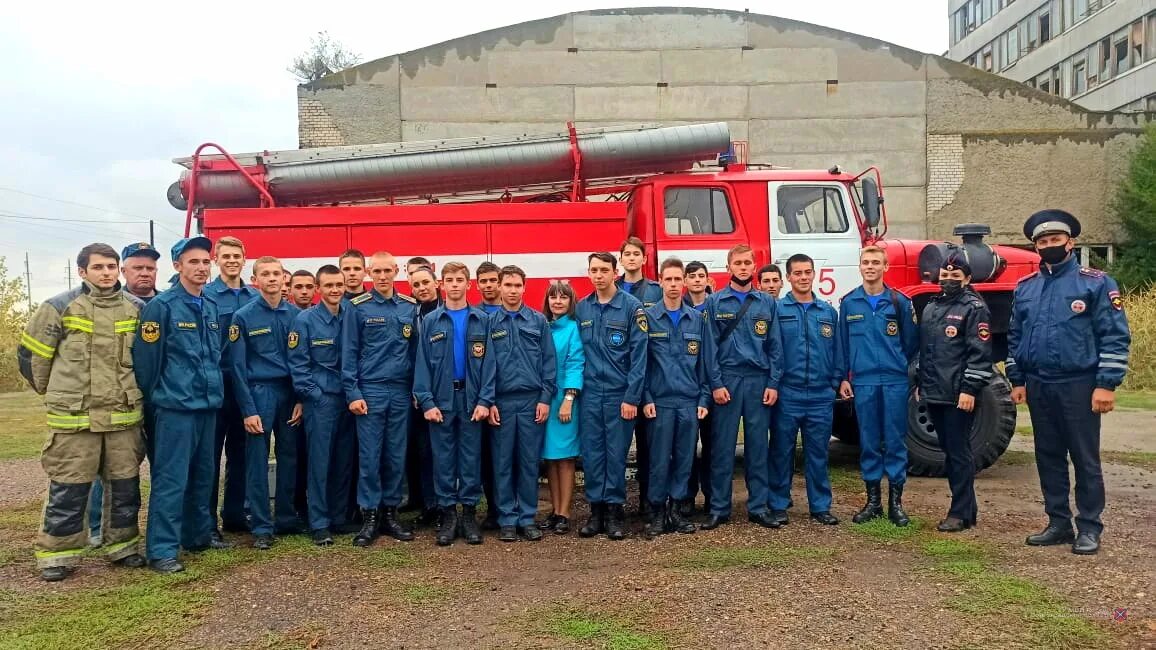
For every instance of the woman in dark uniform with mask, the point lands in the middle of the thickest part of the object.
(954, 366)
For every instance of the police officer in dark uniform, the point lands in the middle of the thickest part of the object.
(954, 366)
(1067, 352)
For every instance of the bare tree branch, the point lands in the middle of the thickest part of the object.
(324, 57)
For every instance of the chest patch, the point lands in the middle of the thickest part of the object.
(260, 331)
(854, 317)
(586, 323)
(499, 334)
(1079, 306)
(186, 325)
(950, 331)
(320, 342)
(437, 337)
(406, 330)
(479, 349)
(892, 328)
(826, 330)
(761, 327)
(150, 331)
(294, 338)
(374, 321)
(659, 335)
(692, 347)
(954, 317)
(617, 338)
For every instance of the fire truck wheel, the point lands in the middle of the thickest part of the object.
(991, 433)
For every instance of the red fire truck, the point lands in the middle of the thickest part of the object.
(544, 202)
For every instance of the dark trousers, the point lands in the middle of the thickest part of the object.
(747, 406)
(274, 404)
(671, 441)
(953, 428)
(700, 465)
(488, 479)
(329, 430)
(419, 464)
(382, 439)
(456, 446)
(230, 439)
(807, 410)
(517, 446)
(1064, 425)
(182, 478)
(882, 415)
(604, 440)
(642, 435)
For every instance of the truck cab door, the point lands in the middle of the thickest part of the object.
(815, 218)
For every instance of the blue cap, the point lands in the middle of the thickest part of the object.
(140, 248)
(203, 243)
(1050, 222)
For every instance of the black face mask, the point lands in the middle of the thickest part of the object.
(951, 287)
(741, 283)
(1053, 254)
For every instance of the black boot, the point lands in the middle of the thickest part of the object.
(469, 523)
(368, 533)
(655, 522)
(394, 528)
(675, 520)
(874, 506)
(596, 524)
(895, 505)
(447, 526)
(616, 521)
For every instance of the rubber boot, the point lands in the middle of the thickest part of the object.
(616, 522)
(895, 505)
(596, 524)
(874, 506)
(368, 533)
(394, 528)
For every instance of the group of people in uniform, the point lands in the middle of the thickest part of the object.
(373, 400)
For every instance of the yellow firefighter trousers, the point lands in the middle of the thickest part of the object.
(73, 461)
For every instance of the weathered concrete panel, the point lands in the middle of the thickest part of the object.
(880, 64)
(654, 28)
(749, 66)
(856, 99)
(443, 71)
(738, 128)
(973, 100)
(652, 103)
(630, 103)
(412, 131)
(906, 211)
(580, 68)
(452, 104)
(838, 135)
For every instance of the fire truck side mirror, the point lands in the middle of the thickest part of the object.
(871, 201)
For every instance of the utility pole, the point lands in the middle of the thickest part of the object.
(152, 234)
(28, 280)
(68, 274)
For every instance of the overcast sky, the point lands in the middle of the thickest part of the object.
(99, 97)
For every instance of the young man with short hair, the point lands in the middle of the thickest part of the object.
(488, 286)
(258, 354)
(698, 289)
(526, 367)
(229, 293)
(454, 384)
(880, 337)
(812, 370)
(745, 385)
(612, 325)
(418, 461)
(177, 362)
(352, 265)
(771, 280)
(315, 365)
(676, 398)
(302, 289)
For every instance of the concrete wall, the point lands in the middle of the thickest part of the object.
(801, 95)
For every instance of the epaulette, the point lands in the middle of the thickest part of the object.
(1091, 273)
(1028, 276)
(409, 299)
(357, 300)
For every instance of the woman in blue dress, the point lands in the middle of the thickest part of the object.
(560, 445)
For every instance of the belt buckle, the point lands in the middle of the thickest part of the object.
(459, 384)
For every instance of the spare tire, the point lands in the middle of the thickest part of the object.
(991, 431)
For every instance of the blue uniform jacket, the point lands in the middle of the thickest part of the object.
(258, 349)
(228, 303)
(647, 291)
(177, 356)
(678, 358)
(433, 377)
(1068, 324)
(614, 340)
(315, 352)
(812, 351)
(524, 355)
(378, 342)
(754, 347)
(879, 344)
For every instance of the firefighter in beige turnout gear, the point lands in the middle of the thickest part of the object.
(77, 352)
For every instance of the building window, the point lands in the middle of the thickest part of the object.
(1079, 77)
(1013, 46)
(987, 64)
(1045, 27)
(1120, 51)
(1137, 43)
(807, 209)
(1105, 59)
(697, 211)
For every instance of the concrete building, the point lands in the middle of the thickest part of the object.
(955, 144)
(1097, 53)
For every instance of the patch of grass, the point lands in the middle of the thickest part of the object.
(1142, 459)
(845, 479)
(883, 529)
(24, 432)
(1017, 457)
(718, 558)
(1025, 430)
(420, 594)
(1145, 400)
(18, 528)
(954, 550)
(387, 558)
(596, 629)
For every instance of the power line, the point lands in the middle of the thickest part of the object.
(67, 202)
(25, 215)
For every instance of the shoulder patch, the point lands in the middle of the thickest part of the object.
(640, 319)
(1029, 276)
(357, 300)
(1091, 273)
(409, 299)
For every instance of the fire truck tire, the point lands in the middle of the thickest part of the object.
(991, 432)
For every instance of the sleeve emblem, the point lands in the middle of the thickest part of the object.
(234, 332)
(1117, 300)
(640, 318)
(984, 332)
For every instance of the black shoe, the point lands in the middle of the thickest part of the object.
(714, 521)
(1052, 536)
(469, 525)
(644, 508)
(675, 521)
(655, 523)
(615, 522)
(873, 509)
(57, 573)
(447, 526)
(264, 542)
(531, 533)
(428, 518)
(321, 537)
(563, 525)
(596, 524)
(491, 520)
(825, 518)
(764, 519)
(216, 543)
(134, 561)
(1086, 544)
(171, 565)
(686, 508)
(895, 510)
(368, 533)
(390, 525)
(507, 534)
(952, 525)
(781, 517)
(549, 522)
